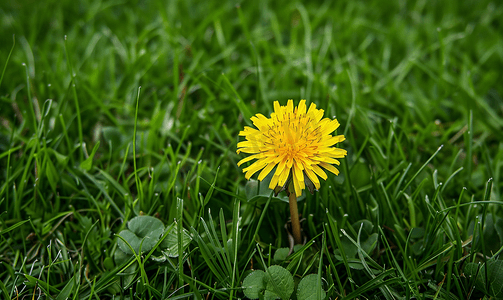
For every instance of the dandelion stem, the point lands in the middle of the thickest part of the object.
(294, 213)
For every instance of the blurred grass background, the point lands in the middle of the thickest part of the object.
(403, 79)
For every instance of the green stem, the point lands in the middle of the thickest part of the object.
(294, 213)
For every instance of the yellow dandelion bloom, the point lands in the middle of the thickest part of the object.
(297, 142)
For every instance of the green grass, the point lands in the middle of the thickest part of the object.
(83, 149)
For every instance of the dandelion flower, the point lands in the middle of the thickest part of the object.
(294, 142)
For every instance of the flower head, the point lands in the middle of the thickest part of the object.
(296, 143)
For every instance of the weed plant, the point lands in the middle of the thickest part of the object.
(118, 129)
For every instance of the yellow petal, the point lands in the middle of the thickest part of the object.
(281, 166)
(302, 108)
(330, 160)
(332, 140)
(276, 107)
(246, 159)
(330, 168)
(274, 182)
(297, 187)
(247, 130)
(248, 144)
(314, 179)
(297, 173)
(283, 176)
(330, 127)
(248, 150)
(312, 108)
(319, 171)
(253, 168)
(289, 107)
(289, 163)
(266, 171)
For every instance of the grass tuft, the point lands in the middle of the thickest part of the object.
(415, 213)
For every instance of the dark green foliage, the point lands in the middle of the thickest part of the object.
(415, 213)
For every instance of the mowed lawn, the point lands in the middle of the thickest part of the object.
(119, 125)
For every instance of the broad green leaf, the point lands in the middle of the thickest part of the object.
(279, 283)
(493, 283)
(142, 230)
(367, 227)
(349, 249)
(368, 242)
(169, 246)
(120, 257)
(491, 236)
(127, 275)
(269, 295)
(108, 263)
(253, 284)
(276, 283)
(306, 290)
(281, 254)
